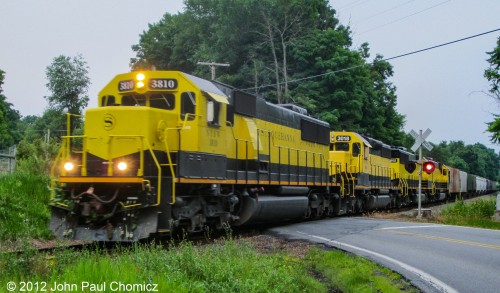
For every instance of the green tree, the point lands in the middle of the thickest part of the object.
(69, 82)
(492, 74)
(52, 122)
(274, 48)
(475, 159)
(9, 119)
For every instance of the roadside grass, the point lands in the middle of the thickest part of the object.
(23, 206)
(229, 265)
(224, 266)
(474, 214)
(352, 273)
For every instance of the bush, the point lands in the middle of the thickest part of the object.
(475, 214)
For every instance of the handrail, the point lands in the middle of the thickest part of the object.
(56, 160)
(158, 199)
(169, 158)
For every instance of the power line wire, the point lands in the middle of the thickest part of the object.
(405, 17)
(353, 4)
(444, 44)
(385, 59)
(382, 12)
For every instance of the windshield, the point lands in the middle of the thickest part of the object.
(165, 101)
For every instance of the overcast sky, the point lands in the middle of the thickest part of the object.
(440, 89)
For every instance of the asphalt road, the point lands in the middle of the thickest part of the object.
(435, 258)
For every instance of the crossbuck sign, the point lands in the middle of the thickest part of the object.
(420, 140)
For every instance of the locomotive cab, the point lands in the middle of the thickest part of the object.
(349, 157)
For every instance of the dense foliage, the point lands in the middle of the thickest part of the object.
(9, 119)
(475, 159)
(473, 214)
(290, 51)
(492, 74)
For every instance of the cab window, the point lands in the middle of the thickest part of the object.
(135, 100)
(162, 101)
(341, 146)
(356, 149)
(188, 105)
(108, 101)
(213, 110)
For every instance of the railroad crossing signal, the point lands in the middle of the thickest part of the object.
(429, 167)
(420, 140)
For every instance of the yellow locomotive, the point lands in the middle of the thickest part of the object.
(167, 150)
(368, 174)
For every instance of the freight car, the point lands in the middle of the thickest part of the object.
(167, 151)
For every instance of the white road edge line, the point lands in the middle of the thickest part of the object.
(412, 227)
(436, 283)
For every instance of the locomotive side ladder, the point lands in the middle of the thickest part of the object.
(170, 163)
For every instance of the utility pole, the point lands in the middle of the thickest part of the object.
(212, 66)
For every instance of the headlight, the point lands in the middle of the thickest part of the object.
(68, 166)
(140, 76)
(140, 80)
(122, 166)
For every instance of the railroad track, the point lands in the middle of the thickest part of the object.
(208, 237)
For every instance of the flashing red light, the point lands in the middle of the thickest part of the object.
(429, 167)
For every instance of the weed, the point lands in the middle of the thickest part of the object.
(224, 266)
(475, 214)
(23, 206)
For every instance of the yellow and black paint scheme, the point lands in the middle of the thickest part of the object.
(405, 175)
(368, 174)
(435, 184)
(361, 169)
(166, 150)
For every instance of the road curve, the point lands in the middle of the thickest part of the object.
(435, 258)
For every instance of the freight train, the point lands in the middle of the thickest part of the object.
(167, 151)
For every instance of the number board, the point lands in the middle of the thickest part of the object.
(126, 85)
(163, 84)
(343, 138)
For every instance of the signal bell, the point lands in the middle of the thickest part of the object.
(429, 167)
